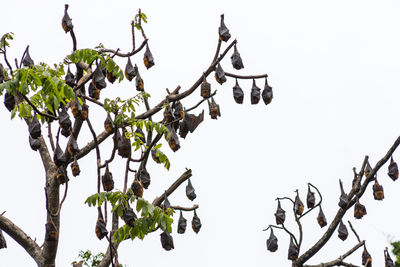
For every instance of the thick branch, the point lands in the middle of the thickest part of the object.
(91, 145)
(339, 261)
(21, 238)
(176, 97)
(339, 215)
(186, 175)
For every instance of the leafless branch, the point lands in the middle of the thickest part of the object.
(186, 175)
(185, 208)
(243, 77)
(97, 153)
(339, 261)
(21, 238)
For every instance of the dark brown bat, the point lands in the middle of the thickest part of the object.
(223, 31)
(148, 58)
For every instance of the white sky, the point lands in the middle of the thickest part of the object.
(334, 69)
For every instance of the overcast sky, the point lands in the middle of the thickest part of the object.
(334, 68)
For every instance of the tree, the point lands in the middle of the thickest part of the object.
(347, 200)
(40, 94)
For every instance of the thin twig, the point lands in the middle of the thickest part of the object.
(50, 136)
(126, 175)
(317, 205)
(285, 229)
(201, 101)
(36, 110)
(23, 55)
(63, 199)
(354, 231)
(97, 153)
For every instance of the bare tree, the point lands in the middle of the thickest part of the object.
(366, 176)
(44, 95)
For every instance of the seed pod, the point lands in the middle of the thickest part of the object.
(267, 94)
(223, 31)
(166, 205)
(94, 92)
(9, 101)
(140, 135)
(368, 169)
(59, 156)
(173, 141)
(189, 123)
(298, 205)
(236, 59)
(144, 177)
(137, 188)
(388, 259)
(393, 170)
(34, 143)
(182, 222)
(321, 218)
(62, 176)
(129, 217)
(51, 232)
(255, 94)
(98, 79)
(220, 74)
(196, 223)
(293, 250)
(66, 22)
(75, 168)
(107, 180)
(63, 119)
(108, 124)
(280, 215)
(3, 243)
(310, 198)
(366, 259)
(72, 147)
(139, 83)
(359, 210)
(343, 196)
(130, 71)
(27, 61)
(148, 58)
(272, 242)
(69, 78)
(190, 191)
(101, 229)
(166, 241)
(124, 147)
(214, 109)
(205, 89)
(377, 190)
(76, 108)
(34, 127)
(342, 231)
